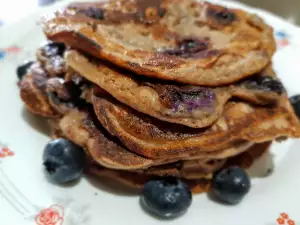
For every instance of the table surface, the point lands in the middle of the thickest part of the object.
(9, 13)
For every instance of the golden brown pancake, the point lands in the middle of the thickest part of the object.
(81, 128)
(156, 139)
(137, 180)
(178, 40)
(193, 106)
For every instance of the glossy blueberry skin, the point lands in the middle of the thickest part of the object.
(230, 185)
(23, 68)
(295, 101)
(63, 160)
(166, 198)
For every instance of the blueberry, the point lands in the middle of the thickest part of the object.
(166, 198)
(189, 47)
(95, 13)
(53, 49)
(295, 101)
(230, 185)
(265, 83)
(23, 68)
(269, 83)
(63, 160)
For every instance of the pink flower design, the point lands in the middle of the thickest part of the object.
(285, 220)
(5, 152)
(54, 215)
(291, 222)
(13, 49)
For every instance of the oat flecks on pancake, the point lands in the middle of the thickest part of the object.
(179, 40)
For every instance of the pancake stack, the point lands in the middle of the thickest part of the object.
(160, 88)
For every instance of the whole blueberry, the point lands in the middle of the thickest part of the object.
(167, 198)
(63, 160)
(295, 101)
(23, 68)
(230, 185)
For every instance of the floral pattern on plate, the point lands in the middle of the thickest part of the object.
(54, 215)
(10, 50)
(5, 151)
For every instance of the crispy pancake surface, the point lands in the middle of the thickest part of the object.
(179, 40)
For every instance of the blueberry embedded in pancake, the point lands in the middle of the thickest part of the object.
(64, 90)
(93, 12)
(218, 16)
(191, 106)
(63, 95)
(187, 98)
(192, 48)
(265, 83)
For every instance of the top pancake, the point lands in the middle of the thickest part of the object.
(180, 40)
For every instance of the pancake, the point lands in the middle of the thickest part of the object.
(179, 40)
(137, 179)
(81, 128)
(156, 139)
(32, 92)
(193, 106)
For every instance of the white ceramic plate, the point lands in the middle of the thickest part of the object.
(26, 197)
